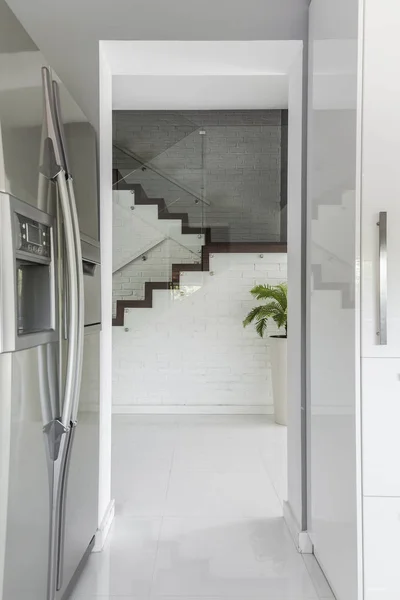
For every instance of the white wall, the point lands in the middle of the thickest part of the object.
(192, 352)
(295, 317)
(105, 131)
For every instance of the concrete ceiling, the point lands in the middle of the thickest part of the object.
(68, 33)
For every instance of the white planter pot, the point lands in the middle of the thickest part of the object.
(278, 348)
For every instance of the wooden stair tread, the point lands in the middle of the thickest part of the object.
(204, 265)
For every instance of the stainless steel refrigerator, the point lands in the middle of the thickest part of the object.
(49, 326)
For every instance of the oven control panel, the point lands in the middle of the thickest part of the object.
(33, 237)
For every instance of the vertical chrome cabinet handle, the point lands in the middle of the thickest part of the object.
(383, 278)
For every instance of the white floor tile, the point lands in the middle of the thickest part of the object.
(126, 565)
(247, 430)
(210, 451)
(143, 446)
(230, 558)
(154, 455)
(140, 494)
(199, 514)
(274, 458)
(209, 494)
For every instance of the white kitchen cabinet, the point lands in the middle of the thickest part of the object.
(380, 185)
(381, 549)
(380, 424)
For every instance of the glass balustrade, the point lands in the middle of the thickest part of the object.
(183, 181)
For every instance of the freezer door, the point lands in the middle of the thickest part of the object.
(81, 502)
(27, 403)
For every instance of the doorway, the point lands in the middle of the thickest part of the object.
(178, 553)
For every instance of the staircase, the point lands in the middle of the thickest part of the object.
(200, 263)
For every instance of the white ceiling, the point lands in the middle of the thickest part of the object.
(69, 33)
(187, 75)
(199, 93)
(200, 57)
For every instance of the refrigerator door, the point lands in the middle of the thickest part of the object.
(26, 400)
(81, 502)
(40, 386)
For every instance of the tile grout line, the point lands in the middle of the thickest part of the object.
(163, 515)
(270, 478)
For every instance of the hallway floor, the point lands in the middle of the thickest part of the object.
(199, 515)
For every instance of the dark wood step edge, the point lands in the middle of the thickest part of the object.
(141, 199)
(204, 265)
(147, 302)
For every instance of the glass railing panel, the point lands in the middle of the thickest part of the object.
(152, 251)
(245, 174)
(220, 179)
(226, 169)
(176, 174)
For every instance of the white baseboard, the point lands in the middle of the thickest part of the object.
(103, 530)
(142, 409)
(300, 538)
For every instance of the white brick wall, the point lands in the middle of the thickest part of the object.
(193, 351)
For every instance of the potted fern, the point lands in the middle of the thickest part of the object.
(275, 308)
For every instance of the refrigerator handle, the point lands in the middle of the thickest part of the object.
(53, 165)
(59, 126)
(81, 301)
(51, 159)
(78, 257)
(72, 286)
(73, 409)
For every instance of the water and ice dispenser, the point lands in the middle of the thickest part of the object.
(27, 276)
